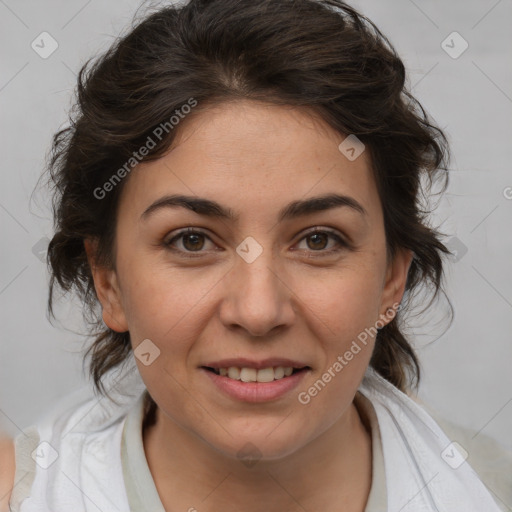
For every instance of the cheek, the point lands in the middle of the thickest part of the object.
(358, 306)
(345, 311)
(346, 301)
(166, 304)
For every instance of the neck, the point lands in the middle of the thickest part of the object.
(331, 472)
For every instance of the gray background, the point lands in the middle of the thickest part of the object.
(466, 370)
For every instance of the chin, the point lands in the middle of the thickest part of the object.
(258, 444)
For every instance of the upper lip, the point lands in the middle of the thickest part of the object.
(242, 362)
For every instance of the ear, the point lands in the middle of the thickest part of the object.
(107, 290)
(395, 281)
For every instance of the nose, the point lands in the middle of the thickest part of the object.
(257, 298)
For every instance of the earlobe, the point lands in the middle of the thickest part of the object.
(396, 279)
(107, 290)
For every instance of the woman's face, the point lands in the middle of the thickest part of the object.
(251, 285)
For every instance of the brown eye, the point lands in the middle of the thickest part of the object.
(319, 241)
(193, 242)
(188, 241)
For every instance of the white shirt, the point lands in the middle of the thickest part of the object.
(90, 456)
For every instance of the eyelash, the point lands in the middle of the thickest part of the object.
(194, 254)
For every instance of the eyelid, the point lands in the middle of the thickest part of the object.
(183, 232)
(329, 231)
(341, 240)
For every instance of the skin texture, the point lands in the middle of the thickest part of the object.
(7, 471)
(297, 300)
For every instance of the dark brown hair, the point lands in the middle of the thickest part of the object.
(318, 54)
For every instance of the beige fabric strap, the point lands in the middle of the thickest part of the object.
(25, 444)
(377, 499)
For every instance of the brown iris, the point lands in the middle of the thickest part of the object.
(195, 239)
(316, 236)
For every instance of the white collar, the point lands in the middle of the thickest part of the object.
(424, 471)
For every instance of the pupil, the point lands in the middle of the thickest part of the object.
(194, 241)
(321, 235)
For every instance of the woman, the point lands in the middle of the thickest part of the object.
(239, 192)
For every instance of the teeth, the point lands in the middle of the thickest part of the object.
(254, 375)
(278, 372)
(248, 374)
(265, 375)
(234, 372)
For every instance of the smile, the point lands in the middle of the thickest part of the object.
(249, 384)
(254, 375)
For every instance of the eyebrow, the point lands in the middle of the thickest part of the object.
(292, 210)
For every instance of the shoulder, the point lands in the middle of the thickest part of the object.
(7, 470)
(489, 459)
(411, 430)
(86, 428)
(480, 447)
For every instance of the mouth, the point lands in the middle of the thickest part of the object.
(252, 374)
(250, 381)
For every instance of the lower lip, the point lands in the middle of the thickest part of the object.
(256, 391)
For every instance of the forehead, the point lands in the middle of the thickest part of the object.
(249, 155)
